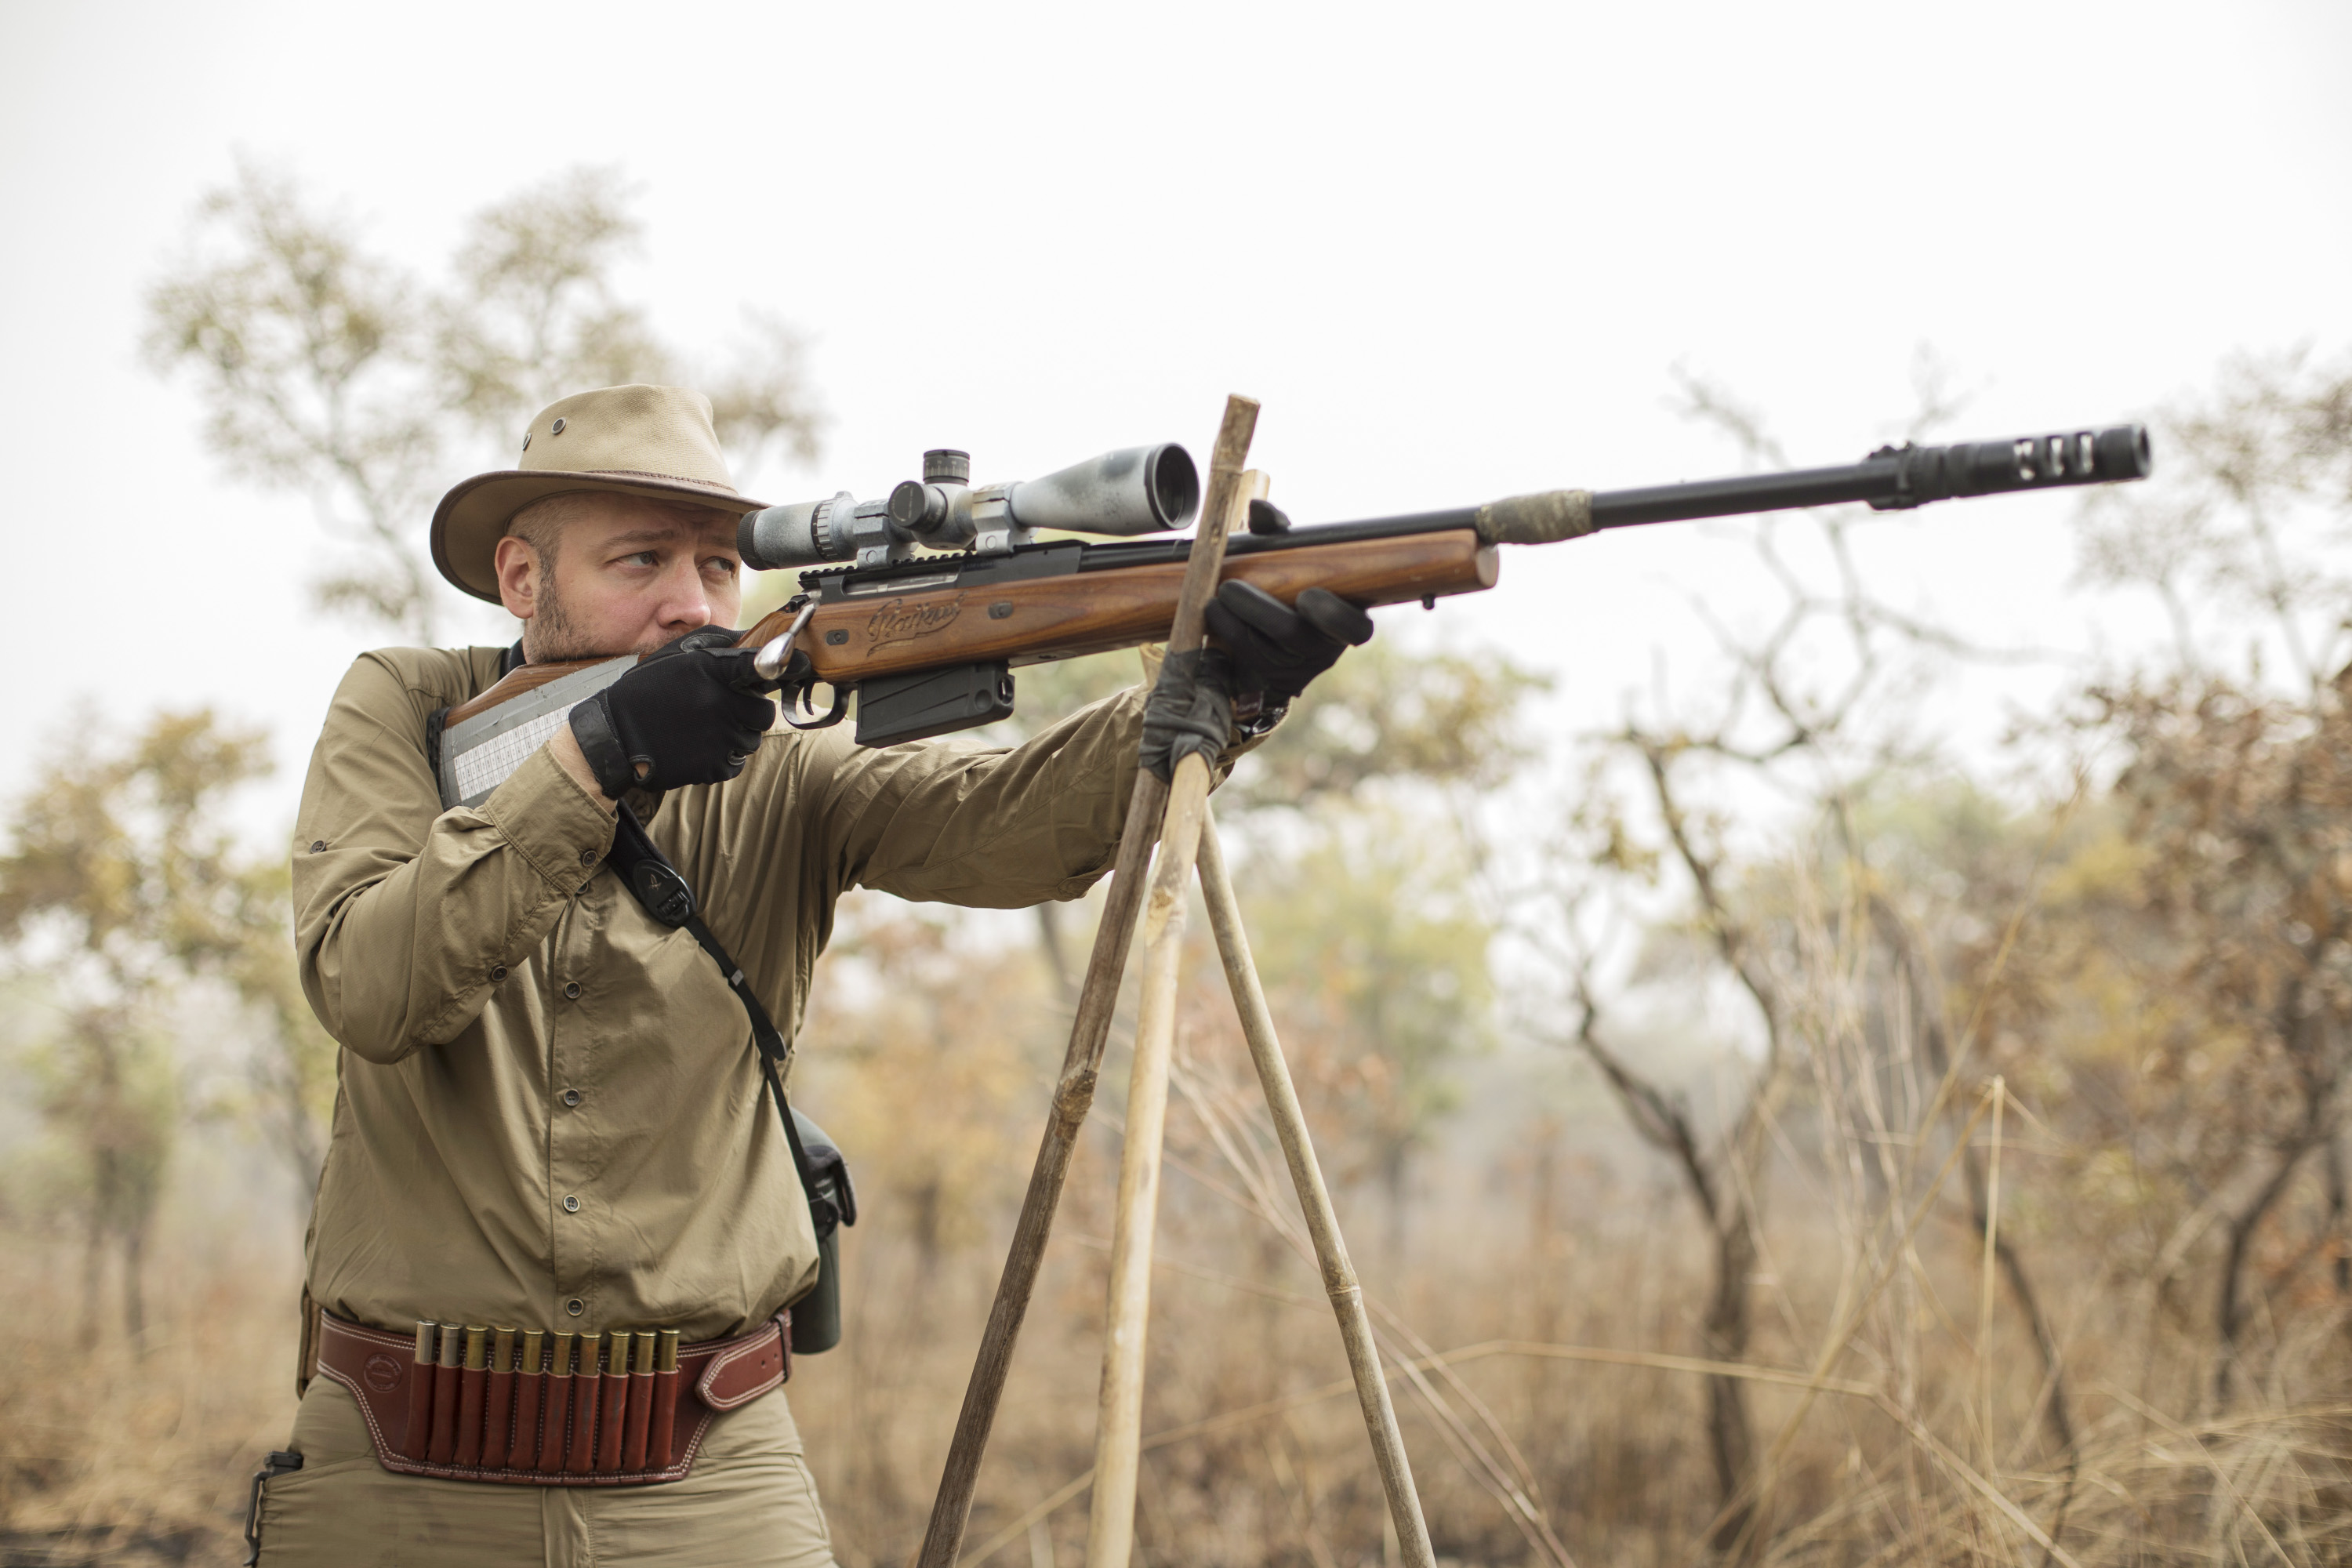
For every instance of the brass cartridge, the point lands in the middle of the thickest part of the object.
(588, 1354)
(562, 1366)
(534, 1351)
(502, 1356)
(665, 1356)
(642, 1360)
(617, 1354)
(478, 1348)
(427, 1331)
(453, 1345)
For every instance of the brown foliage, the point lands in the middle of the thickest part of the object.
(2020, 1221)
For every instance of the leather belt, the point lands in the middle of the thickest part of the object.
(459, 1418)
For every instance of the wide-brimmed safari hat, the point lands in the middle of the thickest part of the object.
(652, 441)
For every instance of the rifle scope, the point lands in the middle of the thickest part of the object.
(1137, 489)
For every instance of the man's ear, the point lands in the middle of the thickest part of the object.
(520, 575)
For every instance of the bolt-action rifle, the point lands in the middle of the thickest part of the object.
(925, 601)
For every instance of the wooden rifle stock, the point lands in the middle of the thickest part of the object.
(894, 628)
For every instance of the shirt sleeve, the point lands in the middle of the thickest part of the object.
(1003, 827)
(405, 915)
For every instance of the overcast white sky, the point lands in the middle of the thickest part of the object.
(1456, 250)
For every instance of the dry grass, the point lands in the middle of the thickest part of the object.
(1544, 1339)
(108, 1455)
(1566, 1371)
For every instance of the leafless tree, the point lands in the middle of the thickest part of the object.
(1808, 711)
(330, 371)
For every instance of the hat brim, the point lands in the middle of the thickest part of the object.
(473, 517)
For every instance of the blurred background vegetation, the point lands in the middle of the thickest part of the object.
(1765, 1137)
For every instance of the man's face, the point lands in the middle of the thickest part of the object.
(629, 575)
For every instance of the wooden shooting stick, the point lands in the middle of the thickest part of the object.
(1188, 837)
(1090, 1030)
(1119, 1429)
(1322, 1222)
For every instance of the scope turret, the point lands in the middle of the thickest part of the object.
(1137, 489)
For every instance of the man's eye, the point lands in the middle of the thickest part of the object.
(721, 566)
(643, 558)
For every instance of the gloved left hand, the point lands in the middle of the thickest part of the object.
(691, 712)
(1189, 710)
(1265, 654)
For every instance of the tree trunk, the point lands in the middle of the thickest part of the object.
(1543, 1240)
(1664, 1123)
(94, 1271)
(1057, 964)
(105, 1204)
(1730, 1439)
(301, 1143)
(135, 1284)
(2335, 1204)
(2230, 1314)
(1394, 1162)
(1917, 976)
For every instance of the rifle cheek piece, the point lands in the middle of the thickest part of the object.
(1542, 518)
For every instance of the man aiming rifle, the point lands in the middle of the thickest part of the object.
(565, 1212)
(569, 1231)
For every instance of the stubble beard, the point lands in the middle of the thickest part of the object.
(551, 635)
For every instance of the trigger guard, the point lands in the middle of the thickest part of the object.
(799, 700)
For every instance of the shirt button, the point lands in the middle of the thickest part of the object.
(572, 991)
(317, 847)
(575, 1306)
(587, 856)
(571, 1205)
(571, 1096)
(497, 972)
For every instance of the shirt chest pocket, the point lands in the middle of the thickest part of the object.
(630, 978)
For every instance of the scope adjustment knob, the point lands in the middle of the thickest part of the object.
(916, 507)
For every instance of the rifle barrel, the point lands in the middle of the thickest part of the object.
(1895, 479)
(1866, 481)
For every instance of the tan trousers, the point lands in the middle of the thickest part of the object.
(750, 1500)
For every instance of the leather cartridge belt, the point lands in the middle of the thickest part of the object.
(533, 1408)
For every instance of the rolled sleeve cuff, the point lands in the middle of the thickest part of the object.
(552, 822)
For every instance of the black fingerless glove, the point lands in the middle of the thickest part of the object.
(1190, 709)
(692, 711)
(1277, 648)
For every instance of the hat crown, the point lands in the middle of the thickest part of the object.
(652, 441)
(652, 432)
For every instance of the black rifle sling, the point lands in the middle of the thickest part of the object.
(667, 895)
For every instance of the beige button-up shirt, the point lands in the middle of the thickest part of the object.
(550, 1113)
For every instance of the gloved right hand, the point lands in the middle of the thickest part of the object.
(692, 711)
(1277, 649)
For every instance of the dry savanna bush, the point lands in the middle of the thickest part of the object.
(1947, 1170)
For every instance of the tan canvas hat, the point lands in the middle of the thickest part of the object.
(654, 441)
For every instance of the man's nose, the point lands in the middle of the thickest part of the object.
(685, 598)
